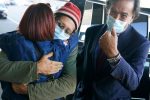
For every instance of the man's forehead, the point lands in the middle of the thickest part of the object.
(123, 5)
(131, 2)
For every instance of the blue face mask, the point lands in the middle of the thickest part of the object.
(118, 25)
(60, 34)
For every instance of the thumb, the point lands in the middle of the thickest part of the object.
(49, 55)
(113, 32)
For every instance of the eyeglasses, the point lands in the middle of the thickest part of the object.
(63, 27)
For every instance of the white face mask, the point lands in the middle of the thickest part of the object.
(60, 34)
(118, 25)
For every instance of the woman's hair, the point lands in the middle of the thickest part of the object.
(38, 23)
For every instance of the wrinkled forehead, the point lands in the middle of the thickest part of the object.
(126, 6)
(111, 3)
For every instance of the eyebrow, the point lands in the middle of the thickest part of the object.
(124, 13)
(113, 9)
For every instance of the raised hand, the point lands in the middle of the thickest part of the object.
(46, 66)
(108, 43)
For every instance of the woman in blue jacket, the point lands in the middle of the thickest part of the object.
(35, 39)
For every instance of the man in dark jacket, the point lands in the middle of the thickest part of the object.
(113, 55)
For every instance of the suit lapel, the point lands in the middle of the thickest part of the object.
(124, 40)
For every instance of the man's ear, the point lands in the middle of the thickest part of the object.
(107, 10)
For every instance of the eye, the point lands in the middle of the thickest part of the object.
(60, 25)
(69, 32)
(124, 17)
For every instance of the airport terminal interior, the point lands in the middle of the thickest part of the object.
(93, 13)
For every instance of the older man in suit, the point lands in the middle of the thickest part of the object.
(113, 55)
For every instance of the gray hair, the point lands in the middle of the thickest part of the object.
(136, 9)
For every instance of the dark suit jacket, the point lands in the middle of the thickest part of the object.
(111, 82)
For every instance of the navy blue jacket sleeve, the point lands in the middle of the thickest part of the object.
(130, 73)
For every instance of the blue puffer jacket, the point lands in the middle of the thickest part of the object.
(18, 48)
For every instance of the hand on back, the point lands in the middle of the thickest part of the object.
(47, 67)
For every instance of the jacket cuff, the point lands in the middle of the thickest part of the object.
(119, 69)
(33, 71)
